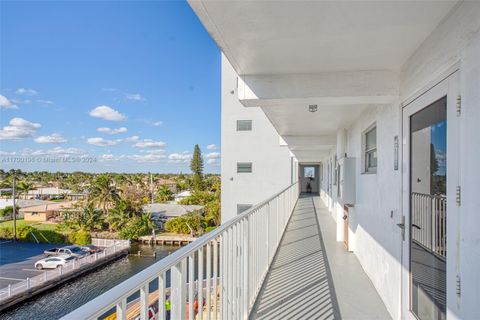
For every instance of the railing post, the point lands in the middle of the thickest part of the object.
(191, 287)
(246, 257)
(121, 309)
(178, 297)
(161, 296)
(200, 283)
(144, 302)
(215, 276)
(208, 280)
(28, 283)
(9, 290)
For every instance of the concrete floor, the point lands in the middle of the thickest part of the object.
(313, 277)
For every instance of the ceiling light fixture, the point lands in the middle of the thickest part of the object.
(312, 108)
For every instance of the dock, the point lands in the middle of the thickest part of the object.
(168, 239)
(30, 287)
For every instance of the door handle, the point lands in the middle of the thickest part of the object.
(401, 225)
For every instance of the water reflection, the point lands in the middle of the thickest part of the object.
(66, 298)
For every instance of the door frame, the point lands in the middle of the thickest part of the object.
(449, 87)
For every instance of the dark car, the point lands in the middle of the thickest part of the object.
(91, 249)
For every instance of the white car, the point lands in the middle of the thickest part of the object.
(53, 262)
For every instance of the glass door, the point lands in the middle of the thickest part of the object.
(430, 176)
(428, 211)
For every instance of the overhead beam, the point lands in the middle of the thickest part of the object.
(310, 141)
(326, 88)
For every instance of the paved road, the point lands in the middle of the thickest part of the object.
(17, 261)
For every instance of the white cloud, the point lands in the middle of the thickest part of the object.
(157, 151)
(149, 143)
(54, 138)
(212, 161)
(100, 142)
(6, 104)
(131, 139)
(53, 151)
(179, 158)
(212, 147)
(157, 123)
(26, 91)
(19, 101)
(109, 89)
(112, 131)
(213, 155)
(134, 97)
(107, 113)
(147, 157)
(5, 153)
(19, 128)
(46, 101)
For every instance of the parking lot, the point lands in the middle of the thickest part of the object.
(17, 261)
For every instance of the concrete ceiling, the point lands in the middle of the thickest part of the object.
(343, 56)
(272, 37)
(298, 121)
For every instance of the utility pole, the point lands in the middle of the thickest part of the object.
(151, 188)
(14, 211)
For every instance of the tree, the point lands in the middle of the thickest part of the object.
(103, 193)
(24, 187)
(196, 165)
(8, 211)
(164, 194)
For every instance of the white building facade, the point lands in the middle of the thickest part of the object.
(383, 100)
(249, 143)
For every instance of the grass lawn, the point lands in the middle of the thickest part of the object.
(37, 225)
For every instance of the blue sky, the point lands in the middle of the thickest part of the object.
(131, 86)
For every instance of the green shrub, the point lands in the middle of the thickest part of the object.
(24, 230)
(72, 236)
(181, 224)
(48, 236)
(208, 229)
(6, 233)
(82, 237)
(134, 228)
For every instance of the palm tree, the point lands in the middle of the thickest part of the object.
(164, 194)
(24, 187)
(103, 193)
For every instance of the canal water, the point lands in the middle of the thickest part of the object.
(67, 297)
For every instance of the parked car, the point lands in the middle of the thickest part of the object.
(68, 250)
(91, 249)
(53, 262)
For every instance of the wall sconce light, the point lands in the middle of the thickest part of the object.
(312, 108)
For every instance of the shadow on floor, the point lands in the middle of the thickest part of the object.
(299, 284)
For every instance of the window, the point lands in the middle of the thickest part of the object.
(309, 172)
(244, 125)
(244, 167)
(243, 207)
(370, 150)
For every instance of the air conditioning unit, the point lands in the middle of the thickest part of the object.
(346, 185)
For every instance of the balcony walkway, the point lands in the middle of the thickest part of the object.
(313, 277)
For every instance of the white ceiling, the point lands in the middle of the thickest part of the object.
(337, 54)
(271, 37)
(297, 120)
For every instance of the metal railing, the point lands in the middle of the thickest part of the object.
(230, 261)
(429, 222)
(51, 275)
(109, 242)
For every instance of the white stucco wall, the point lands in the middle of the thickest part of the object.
(272, 163)
(374, 236)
